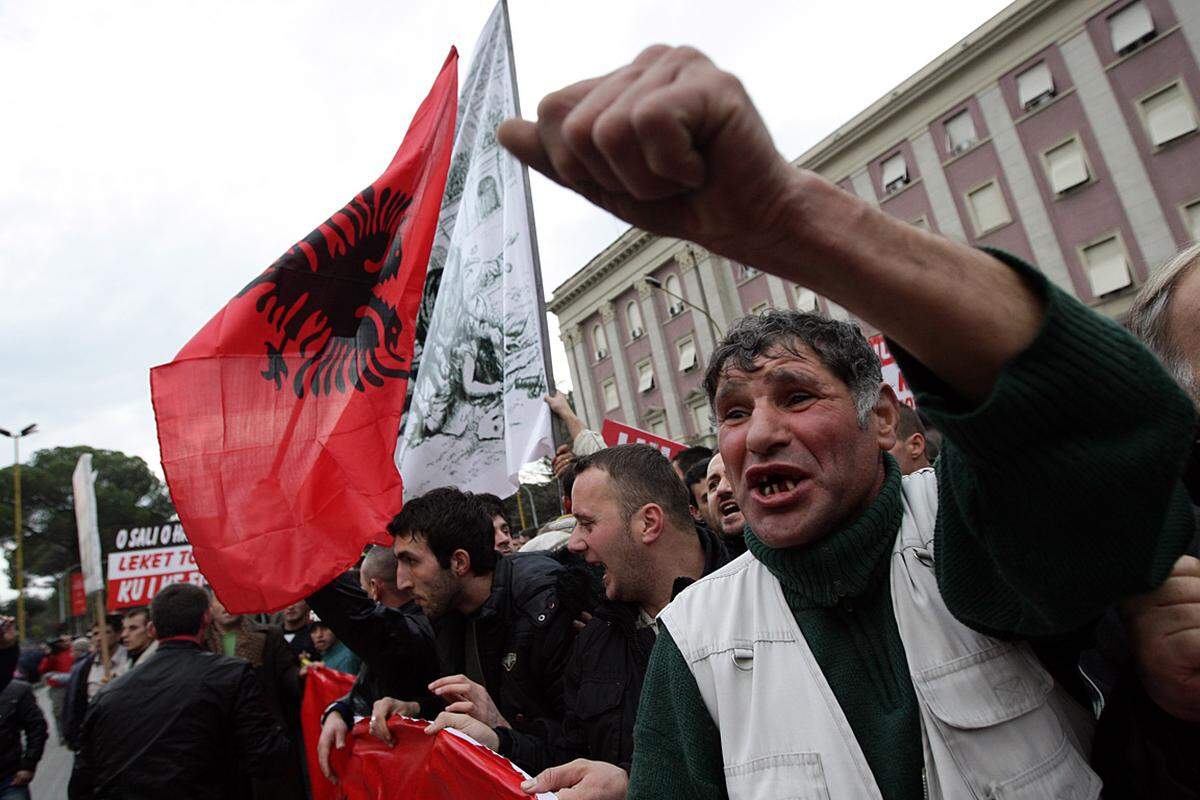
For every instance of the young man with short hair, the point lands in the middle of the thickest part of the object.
(136, 636)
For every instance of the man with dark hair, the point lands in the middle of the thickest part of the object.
(136, 636)
(296, 622)
(876, 643)
(494, 507)
(688, 457)
(384, 627)
(694, 480)
(186, 724)
(20, 716)
(89, 675)
(633, 522)
(909, 450)
(504, 630)
(723, 510)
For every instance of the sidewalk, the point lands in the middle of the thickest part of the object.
(54, 770)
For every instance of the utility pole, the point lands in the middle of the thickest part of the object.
(17, 529)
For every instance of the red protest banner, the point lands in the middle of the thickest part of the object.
(78, 595)
(321, 687)
(277, 422)
(614, 433)
(891, 371)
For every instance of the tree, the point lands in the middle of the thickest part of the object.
(127, 494)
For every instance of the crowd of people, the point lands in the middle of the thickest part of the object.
(994, 596)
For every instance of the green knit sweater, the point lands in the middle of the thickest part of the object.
(1058, 495)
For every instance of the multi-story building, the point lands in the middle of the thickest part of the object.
(1063, 131)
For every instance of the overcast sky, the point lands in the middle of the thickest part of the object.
(155, 156)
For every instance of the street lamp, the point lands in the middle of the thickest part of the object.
(655, 283)
(16, 437)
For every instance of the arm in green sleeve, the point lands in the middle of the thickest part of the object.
(676, 745)
(1060, 494)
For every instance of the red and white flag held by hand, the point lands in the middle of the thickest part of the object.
(277, 421)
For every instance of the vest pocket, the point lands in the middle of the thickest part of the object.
(993, 720)
(786, 776)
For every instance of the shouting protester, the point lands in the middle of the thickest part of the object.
(503, 629)
(386, 629)
(723, 510)
(187, 725)
(634, 523)
(872, 644)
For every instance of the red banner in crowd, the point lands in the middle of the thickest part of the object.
(446, 766)
(78, 595)
(321, 687)
(891, 371)
(614, 433)
(278, 420)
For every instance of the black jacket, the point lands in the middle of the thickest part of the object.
(75, 700)
(395, 644)
(19, 713)
(186, 725)
(603, 684)
(523, 635)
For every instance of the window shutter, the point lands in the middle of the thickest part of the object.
(987, 202)
(610, 395)
(894, 172)
(703, 419)
(687, 355)
(645, 377)
(1130, 25)
(806, 299)
(1168, 115)
(960, 132)
(1033, 83)
(1067, 166)
(1106, 266)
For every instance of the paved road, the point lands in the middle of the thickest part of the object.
(54, 770)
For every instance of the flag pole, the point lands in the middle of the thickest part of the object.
(556, 433)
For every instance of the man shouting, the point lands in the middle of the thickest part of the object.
(873, 642)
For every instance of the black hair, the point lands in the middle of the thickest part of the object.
(449, 520)
(841, 347)
(568, 479)
(641, 475)
(696, 474)
(688, 457)
(493, 505)
(178, 610)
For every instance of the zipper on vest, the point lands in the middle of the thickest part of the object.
(925, 783)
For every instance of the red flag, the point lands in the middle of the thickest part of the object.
(321, 687)
(278, 420)
(445, 766)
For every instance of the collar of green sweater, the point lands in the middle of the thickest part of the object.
(847, 562)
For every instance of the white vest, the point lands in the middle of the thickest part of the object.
(993, 722)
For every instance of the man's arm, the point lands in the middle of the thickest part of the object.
(34, 724)
(355, 620)
(676, 744)
(259, 741)
(673, 145)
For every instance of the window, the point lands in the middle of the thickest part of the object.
(686, 349)
(1168, 114)
(759, 308)
(658, 426)
(1035, 85)
(610, 394)
(748, 272)
(806, 299)
(702, 417)
(894, 173)
(633, 316)
(988, 208)
(645, 376)
(1191, 218)
(1066, 167)
(1107, 266)
(1130, 27)
(599, 342)
(674, 293)
(960, 132)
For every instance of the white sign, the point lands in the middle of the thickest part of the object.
(83, 487)
(891, 371)
(477, 414)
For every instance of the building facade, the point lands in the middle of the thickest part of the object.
(1063, 131)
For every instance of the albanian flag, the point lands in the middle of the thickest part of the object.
(277, 421)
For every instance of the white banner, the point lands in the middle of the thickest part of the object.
(83, 485)
(477, 415)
